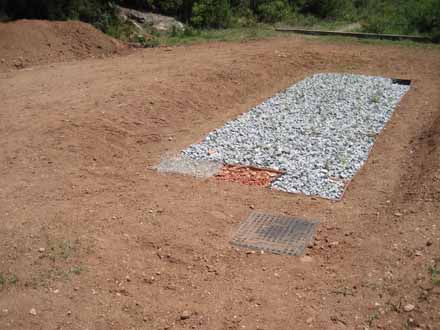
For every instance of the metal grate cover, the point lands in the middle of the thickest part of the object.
(275, 233)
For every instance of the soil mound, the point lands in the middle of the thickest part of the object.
(27, 43)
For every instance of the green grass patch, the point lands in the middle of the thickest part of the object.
(11, 280)
(191, 36)
(435, 274)
(314, 23)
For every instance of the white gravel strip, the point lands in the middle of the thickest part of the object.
(319, 131)
(187, 166)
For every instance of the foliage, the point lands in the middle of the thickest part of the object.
(243, 17)
(272, 11)
(147, 42)
(190, 35)
(326, 8)
(380, 16)
(424, 16)
(211, 13)
(404, 17)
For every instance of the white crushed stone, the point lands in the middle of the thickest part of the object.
(319, 131)
(184, 165)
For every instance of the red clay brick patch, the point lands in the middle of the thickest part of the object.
(248, 175)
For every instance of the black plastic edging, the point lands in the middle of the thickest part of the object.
(357, 35)
(405, 82)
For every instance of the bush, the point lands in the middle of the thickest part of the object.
(211, 14)
(424, 16)
(147, 42)
(243, 17)
(412, 17)
(327, 8)
(300, 20)
(273, 11)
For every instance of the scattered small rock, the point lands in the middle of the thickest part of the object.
(408, 308)
(398, 214)
(428, 243)
(306, 259)
(309, 320)
(41, 249)
(33, 311)
(185, 315)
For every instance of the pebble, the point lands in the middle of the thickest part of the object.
(408, 308)
(318, 131)
(41, 249)
(33, 311)
(185, 315)
(306, 259)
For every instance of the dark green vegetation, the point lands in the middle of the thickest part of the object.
(420, 17)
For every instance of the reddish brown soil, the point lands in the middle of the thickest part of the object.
(91, 238)
(247, 175)
(27, 43)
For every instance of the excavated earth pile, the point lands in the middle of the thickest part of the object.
(26, 43)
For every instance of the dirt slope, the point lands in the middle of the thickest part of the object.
(92, 238)
(26, 43)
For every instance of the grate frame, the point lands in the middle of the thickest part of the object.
(278, 234)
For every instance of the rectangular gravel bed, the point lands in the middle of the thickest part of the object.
(319, 131)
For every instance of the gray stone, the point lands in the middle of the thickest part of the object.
(140, 19)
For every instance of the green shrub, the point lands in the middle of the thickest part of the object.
(147, 42)
(211, 14)
(299, 20)
(189, 32)
(273, 11)
(424, 16)
(243, 17)
(327, 8)
(411, 17)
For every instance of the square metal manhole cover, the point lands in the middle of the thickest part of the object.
(275, 233)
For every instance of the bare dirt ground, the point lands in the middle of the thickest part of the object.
(92, 238)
